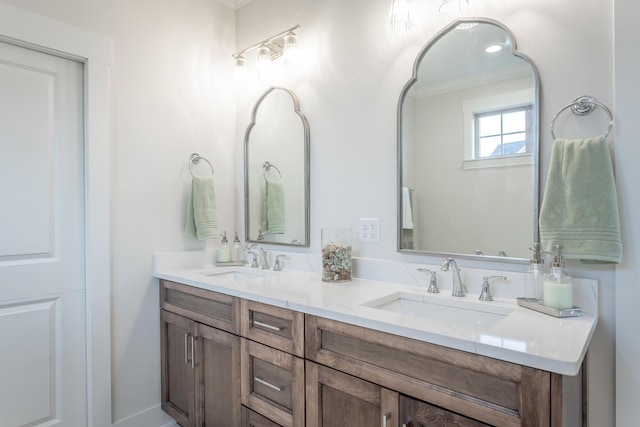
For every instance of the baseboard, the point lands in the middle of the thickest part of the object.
(150, 417)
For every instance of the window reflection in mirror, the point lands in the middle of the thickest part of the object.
(468, 146)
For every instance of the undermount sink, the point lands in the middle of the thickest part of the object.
(464, 312)
(239, 274)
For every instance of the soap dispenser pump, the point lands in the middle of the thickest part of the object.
(224, 252)
(534, 276)
(237, 252)
(557, 285)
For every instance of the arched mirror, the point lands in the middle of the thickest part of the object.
(468, 146)
(276, 167)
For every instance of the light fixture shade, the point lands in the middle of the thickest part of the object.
(291, 52)
(240, 72)
(401, 17)
(240, 62)
(263, 63)
(290, 41)
(452, 6)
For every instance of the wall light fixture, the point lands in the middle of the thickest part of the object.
(401, 17)
(283, 44)
(452, 6)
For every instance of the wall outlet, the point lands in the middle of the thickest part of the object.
(370, 230)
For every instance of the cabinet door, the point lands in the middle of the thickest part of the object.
(416, 413)
(177, 343)
(335, 399)
(217, 371)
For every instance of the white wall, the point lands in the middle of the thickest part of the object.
(170, 96)
(350, 92)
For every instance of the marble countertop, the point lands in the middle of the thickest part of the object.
(522, 336)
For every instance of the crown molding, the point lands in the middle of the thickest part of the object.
(233, 4)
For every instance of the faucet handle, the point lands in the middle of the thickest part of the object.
(433, 282)
(254, 263)
(485, 294)
(277, 266)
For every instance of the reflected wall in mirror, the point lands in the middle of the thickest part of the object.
(468, 146)
(276, 168)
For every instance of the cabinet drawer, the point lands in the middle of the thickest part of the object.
(272, 383)
(208, 307)
(253, 419)
(273, 326)
(489, 390)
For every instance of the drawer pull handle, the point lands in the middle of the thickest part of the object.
(186, 349)
(385, 418)
(268, 384)
(266, 325)
(193, 353)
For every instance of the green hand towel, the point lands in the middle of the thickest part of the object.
(580, 208)
(202, 213)
(273, 214)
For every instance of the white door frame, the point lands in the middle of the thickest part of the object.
(41, 33)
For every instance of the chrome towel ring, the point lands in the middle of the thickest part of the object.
(581, 107)
(265, 168)
(194, 159)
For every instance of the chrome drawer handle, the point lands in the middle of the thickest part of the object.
(186, 349)
(266, 325)
(193, 352)
(268, 384)
(385, 418)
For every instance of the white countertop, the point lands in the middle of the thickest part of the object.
(524, 336)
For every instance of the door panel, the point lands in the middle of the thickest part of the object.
(178, 365)
(335, 399)
(42, 285)
(218, 371)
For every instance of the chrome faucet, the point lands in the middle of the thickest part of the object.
(459, 288)
(264, 259)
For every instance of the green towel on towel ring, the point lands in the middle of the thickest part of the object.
(273, 209)
(580, 208)
(202, 213)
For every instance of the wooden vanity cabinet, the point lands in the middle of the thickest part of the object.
(200, 364)
(231, 362)
(468, 386)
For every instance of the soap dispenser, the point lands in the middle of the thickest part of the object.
(534, 276)
(557, 285)
(224, 252)
(237, 252)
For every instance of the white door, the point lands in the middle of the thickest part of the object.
(43, 350)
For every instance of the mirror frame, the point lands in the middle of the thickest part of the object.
(307, 186)
(536, 141)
